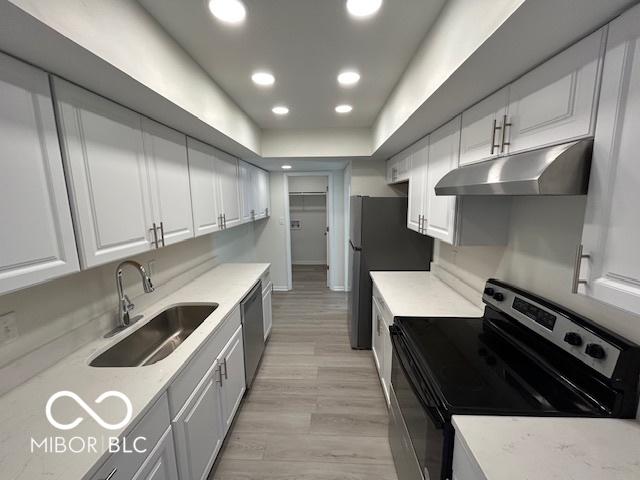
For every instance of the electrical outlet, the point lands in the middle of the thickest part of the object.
(8, 328)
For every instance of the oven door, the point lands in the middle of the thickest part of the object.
(430, 433)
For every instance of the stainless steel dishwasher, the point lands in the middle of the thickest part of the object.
(252, 331)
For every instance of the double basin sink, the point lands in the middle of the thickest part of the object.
(157, 339)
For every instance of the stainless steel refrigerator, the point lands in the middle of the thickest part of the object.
(379, 240)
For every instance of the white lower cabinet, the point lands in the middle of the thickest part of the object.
(608, 269)
(267, 312)
(36, 234)
(155, 444)
(231, 372)
(381, 341)
(161, 462)
(198, 429)
(464, 465)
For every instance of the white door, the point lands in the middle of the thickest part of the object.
(231, 361)
(199, 430)
(611, 232)
(161, 462)
(166, 153)
(36, 234)
(444, 153)
(377, 326)
(204, 187)
(482, 128)
(107, 174)
(267, 313)
(248, 192)
(228, 189)
(556, 102)
(418, 157)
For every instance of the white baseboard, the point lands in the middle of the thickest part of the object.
(320, 263)
(280, 288)
(339, 288)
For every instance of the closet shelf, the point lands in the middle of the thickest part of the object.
(306, 194)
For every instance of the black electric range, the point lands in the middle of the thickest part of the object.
(524, 356)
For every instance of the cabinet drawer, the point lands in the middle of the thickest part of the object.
(387, 316)
(152, 426)
(186, 382)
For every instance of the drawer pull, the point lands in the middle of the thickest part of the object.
(113, 472)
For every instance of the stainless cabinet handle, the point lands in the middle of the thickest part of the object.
(220, 221)
(224, 220)
(504, 142)
(378, 323)
(266, 211)
(224, 362)
(162, 232)
(113, 472)
(219, 375)
(576, 270)
(155, 234)
(493, 135)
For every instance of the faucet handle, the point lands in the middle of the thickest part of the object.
(128, 305)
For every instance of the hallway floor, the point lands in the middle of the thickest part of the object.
(316, 410)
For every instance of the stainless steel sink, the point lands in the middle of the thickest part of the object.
(157, 339)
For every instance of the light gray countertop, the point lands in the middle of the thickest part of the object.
(422, 294)
(22, 410)
(549, 448)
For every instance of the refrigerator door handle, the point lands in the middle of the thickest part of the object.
(357, 249)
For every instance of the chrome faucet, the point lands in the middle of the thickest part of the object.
(124, 304)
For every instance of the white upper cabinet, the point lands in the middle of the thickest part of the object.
(228, 189)
(398, 167)
(107, 175)
(204, 188)
(247, 191)
(556, 102)
(260, 181)
(418, 157)
(36, 237)
(610, 268)
(444, 152)
(166, 153)
(482, 128)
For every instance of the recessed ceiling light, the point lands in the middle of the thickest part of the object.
(363, 8)
(344, 108)
(280, 110)
(348, 78)
(228, 11)
(286, 167)
(264, 79)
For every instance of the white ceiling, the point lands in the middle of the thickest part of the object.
(305, 43)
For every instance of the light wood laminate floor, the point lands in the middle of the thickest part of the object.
(316, 410)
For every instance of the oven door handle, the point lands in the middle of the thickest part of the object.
(434, 414)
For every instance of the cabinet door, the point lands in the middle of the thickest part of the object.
(556, 102)
(417, 176)
(248, 193)
(107, 173)
(204, 187)
(611, 232)
(231, 362)
(228, 189)
(161, 462)
(387, 355)
(263, 193)
(444, 153)
(166, 153)
(478, 134)
(36, 238)
(267, 313)
(376, 339)
(198, 429)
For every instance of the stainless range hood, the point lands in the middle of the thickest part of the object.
(558, 170)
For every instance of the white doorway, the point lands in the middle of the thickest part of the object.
(309, 218)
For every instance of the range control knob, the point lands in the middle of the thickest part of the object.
(489, 291)
(596, 351)
(572, 338)
(498, 296)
